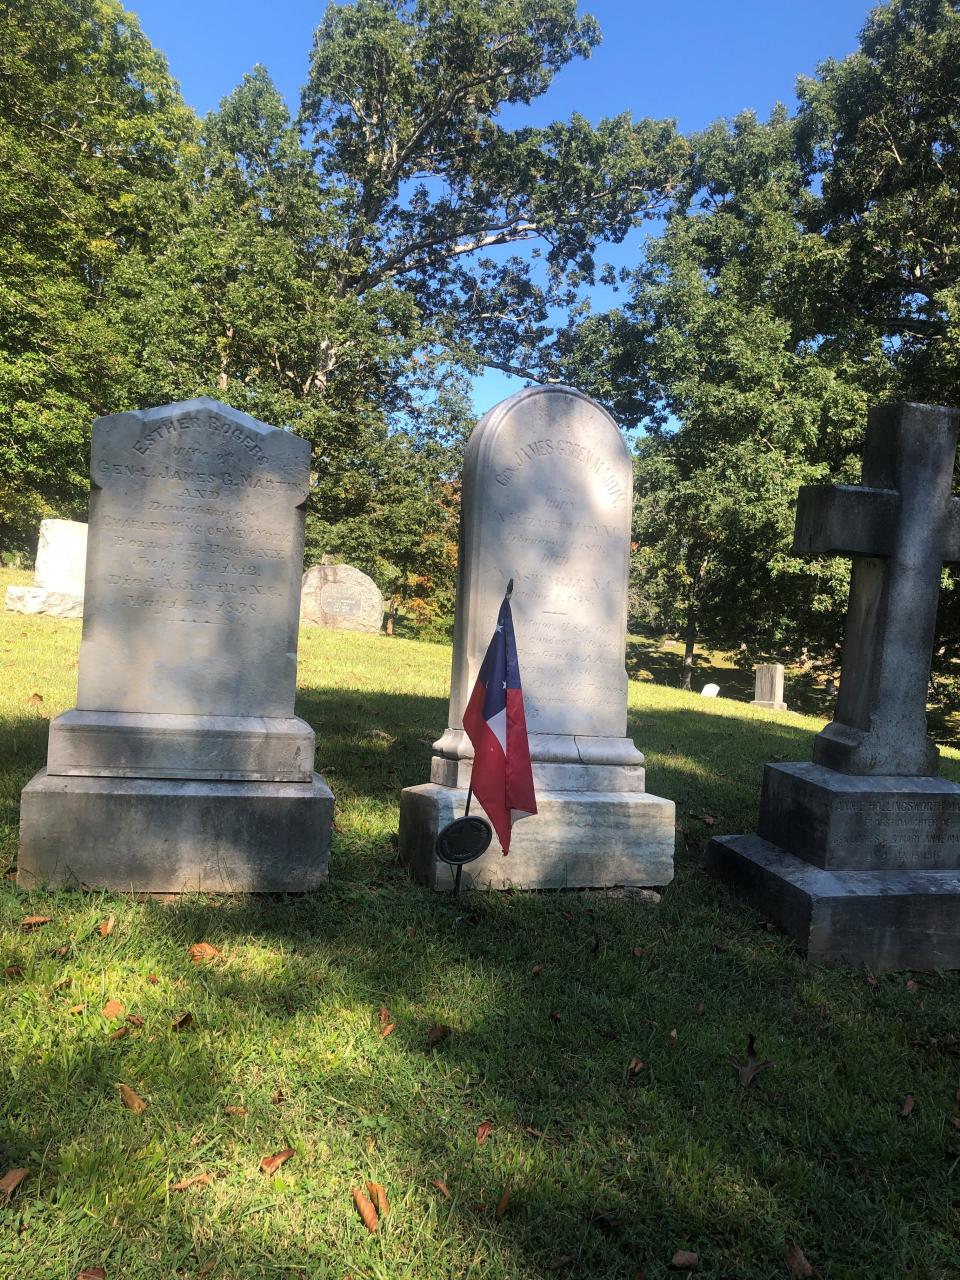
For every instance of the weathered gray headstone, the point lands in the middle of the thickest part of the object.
(58, 578)
(768, 687)
(340, 597)
(858, 853)
(182, 766)
(547, 501)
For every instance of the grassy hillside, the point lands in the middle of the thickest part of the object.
(548, 997)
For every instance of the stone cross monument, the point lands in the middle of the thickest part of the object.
(182, 767)
(547, 501)
(858, 853)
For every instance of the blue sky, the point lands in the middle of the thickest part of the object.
(693, 60)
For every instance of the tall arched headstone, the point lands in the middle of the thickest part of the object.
(547, 501)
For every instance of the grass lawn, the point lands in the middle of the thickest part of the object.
(548, 998)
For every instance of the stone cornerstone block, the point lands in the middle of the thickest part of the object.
(547, 501)
(183, 767)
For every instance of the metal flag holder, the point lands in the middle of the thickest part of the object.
(468, 838)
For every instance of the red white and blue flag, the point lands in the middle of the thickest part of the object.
(502, 778)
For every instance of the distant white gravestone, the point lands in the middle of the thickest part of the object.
(710, 691)
(340, 597)
(547, 501)
(182, 766)
(58, 577)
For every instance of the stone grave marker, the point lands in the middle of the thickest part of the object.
(59, 574)
(183, 767)
(858, 852)
(340, 597)
(547, 501)
(710, 691)
(768, 686)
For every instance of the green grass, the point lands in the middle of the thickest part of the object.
(285, 1025)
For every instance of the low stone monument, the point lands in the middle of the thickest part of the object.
(858, 853)
(183, 767)
(58, 577)
(341, 597)
(768, 687)
(547, 501)
(710, 691)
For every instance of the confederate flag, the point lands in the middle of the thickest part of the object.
(502, 779)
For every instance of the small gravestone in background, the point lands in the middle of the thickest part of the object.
(58, 577)
(340, 597)
(182, 767)
(768, 687)
(858, 853)
(547, 501)
(710, 691)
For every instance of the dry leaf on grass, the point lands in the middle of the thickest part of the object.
(34, 922)
(560, 1262)
(749, 1067)
(206, 1268)
(634, 1067)
(92, 1273)
(105, 927)
(13, 971)
(483, 1132)
(131, 1100)
(378, 1195)
(537, 970)
(11, 1180)
(367, 1212)
(911, 985)
(118, 1034)
(797, 1263)
(235, 1111)
(384, 1015)
(198, 1180)
(201, 951)
(708, 819)
(672, 1039)
(270, 1164)
(503, 1204)
(181, 1023)
(152, 979)
(437, 1033)
(113, 1009)
(442, 1188)
(77, 1008)
(134, 1019)
(34, 699)
(871, 980)
(606, 1221)
(683, 1260)
(388, 1030)
(907, 1106)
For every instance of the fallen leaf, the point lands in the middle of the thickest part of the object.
(635, 1066)
(61, 951)
(554, 1016)
(410, 931)
(749, 1067)
(503, 1204)
(797, 1263)
(134, 1019)
(34, 700)
(270, 1164)
(181, 1023)
(437, 1033)
(640, 951)
(206, 1268)
(708, 819)
(77, 1008)
(13, 971)
(442, 1188)
(560, 1262)
(483, 1132)
(131, 1100)
(105, 927)
(63, 984)
(34, 922)
(683, 1260)
(907, 1106)
(235, 1111)
(201, 951)
(384, 1016)
(113, 1009)
(119, 1033)
(92, 1273)
(871, 980)
(672, 1039)
(606, 1221)
(198, 1180)
(534, 1133)
(537, 970)
(387, 1030)
(277, 1097)
(367, 1211)
(378, 1196)
(11, 1180)
(152, 979)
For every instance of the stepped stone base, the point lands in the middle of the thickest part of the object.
(58, 604)
(167, 836)
(886, 920)
(579, 839)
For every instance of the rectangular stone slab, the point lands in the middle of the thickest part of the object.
(886, 920)
(174, 837)
(851, 822)
(577, 840)
(218, 748)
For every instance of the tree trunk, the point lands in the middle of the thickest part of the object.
(689, 641)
